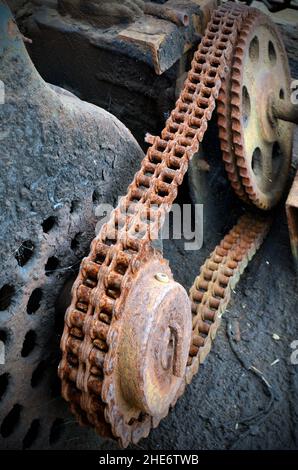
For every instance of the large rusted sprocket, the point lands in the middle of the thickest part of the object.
(256, 145)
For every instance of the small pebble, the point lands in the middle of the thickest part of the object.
(274, 362)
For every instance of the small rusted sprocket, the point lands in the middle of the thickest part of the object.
(256, 144)
(148, 350)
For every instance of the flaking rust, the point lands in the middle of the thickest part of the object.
(292, 215)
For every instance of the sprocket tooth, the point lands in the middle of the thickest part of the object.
(235, 130)
(225, 149)
(235, 99)
(221, 122)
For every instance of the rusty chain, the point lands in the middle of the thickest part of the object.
(93, 320)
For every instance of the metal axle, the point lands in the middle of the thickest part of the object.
(286, 110)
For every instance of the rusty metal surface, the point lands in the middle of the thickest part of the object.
(179, 17)
(158, 38)
(285, 110)
(211, 291)
(292, 215)
(257, 147)
(90, 369)
(152, 350)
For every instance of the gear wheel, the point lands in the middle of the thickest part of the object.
(256, 145)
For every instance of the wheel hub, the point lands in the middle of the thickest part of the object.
(266, 119)
(267, 141)
(154, 342)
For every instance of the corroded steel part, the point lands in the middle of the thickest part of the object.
(285, 110)
(154, 342)
(224, 121)
(292, 215)
(178, 17)
(92, 367)
(211, 291)
(257, 146)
